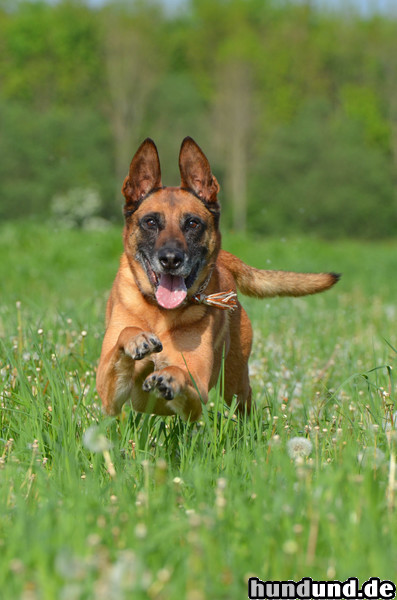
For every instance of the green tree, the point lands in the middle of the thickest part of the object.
(319, 175)
(291, 103)
(133, 62)
(53, 135)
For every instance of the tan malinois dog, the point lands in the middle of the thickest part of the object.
(173, 310)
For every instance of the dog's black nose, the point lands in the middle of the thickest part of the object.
(170, 258)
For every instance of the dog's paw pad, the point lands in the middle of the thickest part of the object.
(143, 345)
(163, 385)
(156, 344)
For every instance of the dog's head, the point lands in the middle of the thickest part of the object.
(171, 235)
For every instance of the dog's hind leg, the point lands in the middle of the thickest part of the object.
(237, 386)
(236, 365)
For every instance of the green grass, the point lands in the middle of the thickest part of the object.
(191, 511)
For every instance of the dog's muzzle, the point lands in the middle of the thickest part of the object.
(170, 259)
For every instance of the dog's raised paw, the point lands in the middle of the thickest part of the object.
(142, 345)
(162, 383)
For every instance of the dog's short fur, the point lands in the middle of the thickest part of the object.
(161, 350)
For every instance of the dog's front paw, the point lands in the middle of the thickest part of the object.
(142, 345)
(163, 383)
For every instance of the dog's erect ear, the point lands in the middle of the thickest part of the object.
(144, 175)
(196, 171)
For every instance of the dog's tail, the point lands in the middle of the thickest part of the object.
(265, 284)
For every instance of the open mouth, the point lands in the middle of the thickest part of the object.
(171, 290)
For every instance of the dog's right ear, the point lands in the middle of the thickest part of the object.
(144, 175)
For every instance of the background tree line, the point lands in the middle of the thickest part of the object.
(295, 107)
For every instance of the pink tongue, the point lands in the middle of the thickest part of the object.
(171, 291)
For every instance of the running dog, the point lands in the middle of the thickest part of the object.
(173, 312)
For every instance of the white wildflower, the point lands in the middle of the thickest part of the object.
(299, 447)
(95, 441)
(371, 457)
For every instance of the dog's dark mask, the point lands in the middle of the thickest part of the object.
(175, 229)
(172, 252)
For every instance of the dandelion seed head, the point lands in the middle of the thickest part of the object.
(290, 547)
(297, 528)
(69, 566)
(299, 447)
(161, 464)
(95, 441)
(93, 539)
(16, 566)
(275, 440)
(220, 502)
(371, 457)
(331, 572)
(164, 575)
(221, 483)
(140, 531)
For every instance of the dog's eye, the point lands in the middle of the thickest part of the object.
(192, 224)
(150, 223)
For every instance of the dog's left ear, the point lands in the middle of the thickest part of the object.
(144, 175)
(196, 172)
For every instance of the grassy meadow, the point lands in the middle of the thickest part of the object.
(144, 507)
